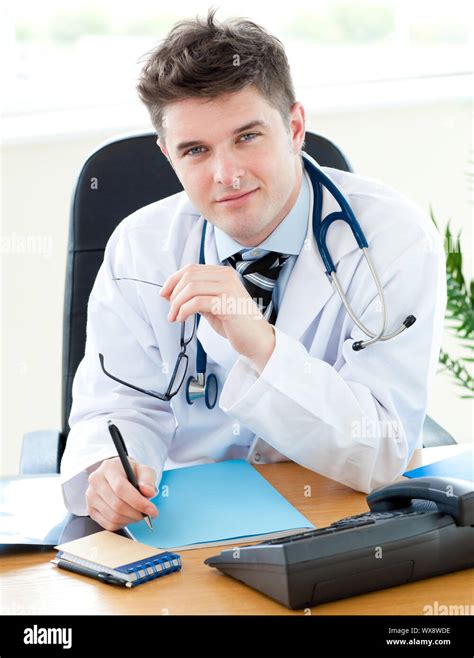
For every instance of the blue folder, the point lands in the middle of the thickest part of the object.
(459, 466)
(214, 504)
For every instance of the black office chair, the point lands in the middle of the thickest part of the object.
(125, 174)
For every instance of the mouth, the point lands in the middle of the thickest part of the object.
(237, 200)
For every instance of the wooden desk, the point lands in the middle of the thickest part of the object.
(32, 586)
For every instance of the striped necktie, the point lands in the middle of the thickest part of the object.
(259, 278)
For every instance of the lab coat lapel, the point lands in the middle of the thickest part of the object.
(307, 291)
(216, 346)
(309, 288)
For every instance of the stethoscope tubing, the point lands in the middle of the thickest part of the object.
(320, 229)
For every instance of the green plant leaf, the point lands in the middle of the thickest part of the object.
(459, 314)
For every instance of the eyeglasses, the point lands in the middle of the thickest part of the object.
(188, 331)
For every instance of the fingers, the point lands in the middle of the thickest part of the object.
(190, 291)
(192, 272)
(218, 294)
(109, 518)
(99, 518)
(218, 297)
(112, 501)
(125, 499)
(146, 478)
(220, 306)
(200, 304)
(213, 273)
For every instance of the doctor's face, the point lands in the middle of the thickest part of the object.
(237, 161)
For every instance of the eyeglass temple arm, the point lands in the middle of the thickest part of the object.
(136, 388)
(128, 278)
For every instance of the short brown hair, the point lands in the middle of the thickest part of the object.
(203, 59)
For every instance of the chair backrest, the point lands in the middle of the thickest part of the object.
(121, 176)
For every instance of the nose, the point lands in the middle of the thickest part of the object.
(228, 171)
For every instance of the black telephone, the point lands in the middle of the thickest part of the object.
(415, 529)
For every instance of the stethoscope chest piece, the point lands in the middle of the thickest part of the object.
(202, 386)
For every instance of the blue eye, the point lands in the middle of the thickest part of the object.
(249, 135)
(193, 149)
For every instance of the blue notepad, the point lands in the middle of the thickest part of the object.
(459, 466)
(215, 504)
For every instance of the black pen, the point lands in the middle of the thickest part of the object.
(123, 454)
(84, 571)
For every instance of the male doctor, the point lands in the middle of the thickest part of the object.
(277, 338)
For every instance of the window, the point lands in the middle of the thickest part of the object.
(84, 56)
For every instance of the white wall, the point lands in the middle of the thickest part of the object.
(423, 151)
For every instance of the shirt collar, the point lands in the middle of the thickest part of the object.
(287, 238)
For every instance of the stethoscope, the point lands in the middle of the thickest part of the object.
(207, 386)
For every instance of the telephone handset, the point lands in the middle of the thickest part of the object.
(448, 495)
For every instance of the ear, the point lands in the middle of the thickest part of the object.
(164, 151)
(162, 148)
(298, 126)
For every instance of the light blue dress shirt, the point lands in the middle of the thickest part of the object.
(287, 238)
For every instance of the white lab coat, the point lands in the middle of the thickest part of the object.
(355, 417)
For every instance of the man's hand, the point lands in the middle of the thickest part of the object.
(112, 501)
(217, 293)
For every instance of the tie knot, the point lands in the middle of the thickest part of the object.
(270, 264)
(259, 278)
